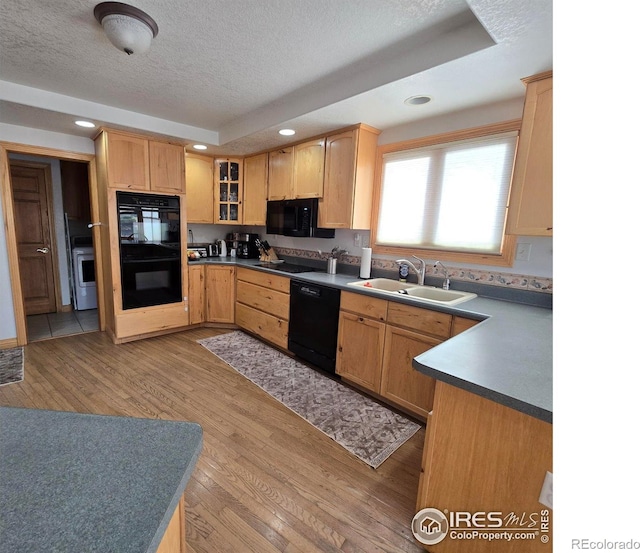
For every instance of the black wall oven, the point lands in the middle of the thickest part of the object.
(150, 255)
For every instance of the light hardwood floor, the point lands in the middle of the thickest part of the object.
(266, 481)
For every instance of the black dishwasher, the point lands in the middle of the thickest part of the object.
(313, 323)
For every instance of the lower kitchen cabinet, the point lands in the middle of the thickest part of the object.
(212, 294)
(220, 293)
(400, 382)
(377, 341)
(262, 305)
(480, 456)
(196, 294)
(360, 350)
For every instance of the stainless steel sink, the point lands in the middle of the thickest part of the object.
(426, 294)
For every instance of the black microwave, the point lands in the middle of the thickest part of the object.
(297, 218)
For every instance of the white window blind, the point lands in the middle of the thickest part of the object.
(447, 197)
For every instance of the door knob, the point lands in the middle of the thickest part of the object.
(43, 250)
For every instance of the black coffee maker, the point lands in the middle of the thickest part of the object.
(244, 244)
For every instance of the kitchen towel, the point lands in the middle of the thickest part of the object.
(365, 263)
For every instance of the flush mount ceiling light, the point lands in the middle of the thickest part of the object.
(129, 29)
(287, 132)
(417, 100)
(85, 124)
(199, 147)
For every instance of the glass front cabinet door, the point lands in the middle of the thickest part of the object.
(228, 191)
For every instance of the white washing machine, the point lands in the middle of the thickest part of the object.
(84, 278)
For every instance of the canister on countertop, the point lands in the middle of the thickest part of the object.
(332, 265)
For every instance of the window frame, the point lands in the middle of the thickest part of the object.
(507, 253)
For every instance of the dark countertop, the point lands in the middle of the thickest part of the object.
(90, 483)
(507, 358)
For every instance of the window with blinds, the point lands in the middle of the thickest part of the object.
(449, 197)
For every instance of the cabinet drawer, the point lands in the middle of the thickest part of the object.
(275, 282)
(271, 301)
(373, 308)
(420, 320)
(269, 328)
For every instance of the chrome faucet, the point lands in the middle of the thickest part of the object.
(419, 272)
(446, 281)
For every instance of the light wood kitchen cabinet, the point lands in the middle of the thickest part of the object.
(137, 163)
(377, 341)
(360, 350)
(256, 170)
(196, 294)
(199, 187)
(281, 174)
(132, 157)
(482, 456)
(127, 161)
(297, 171)
(531, 203)
(220, 293)
(308, 169)
(227, 208)
(460, 324)
(262, 305)
(348, 179)
(400, 382)
(175, 536)
(166, 167)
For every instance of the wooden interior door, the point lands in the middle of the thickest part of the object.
(29, 184)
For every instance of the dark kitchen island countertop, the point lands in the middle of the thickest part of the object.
(90, 483)
(507, 358)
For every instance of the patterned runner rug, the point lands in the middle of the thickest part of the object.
(362, 426)
(11, 365)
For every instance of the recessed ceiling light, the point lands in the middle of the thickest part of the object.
(417, 100)
(287, 132)
(86, 124)
(199, 147)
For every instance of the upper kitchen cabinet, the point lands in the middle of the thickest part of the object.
(199, 183)
(127, 161)
(281, 174)
(348, 179)
(136, 163)
(227, 191)
(166, 167)
(255, 190)
(531, 204)
(308, 169)
(297, 171)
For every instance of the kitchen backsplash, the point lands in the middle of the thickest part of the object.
(487, 277)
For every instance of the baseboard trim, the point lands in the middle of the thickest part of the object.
(9, 343)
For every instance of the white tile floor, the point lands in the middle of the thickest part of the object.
(55, 325)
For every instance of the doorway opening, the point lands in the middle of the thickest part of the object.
(52, 208)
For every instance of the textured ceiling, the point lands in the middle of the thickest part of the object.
(230, 72)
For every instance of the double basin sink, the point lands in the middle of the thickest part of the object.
(426, 294)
